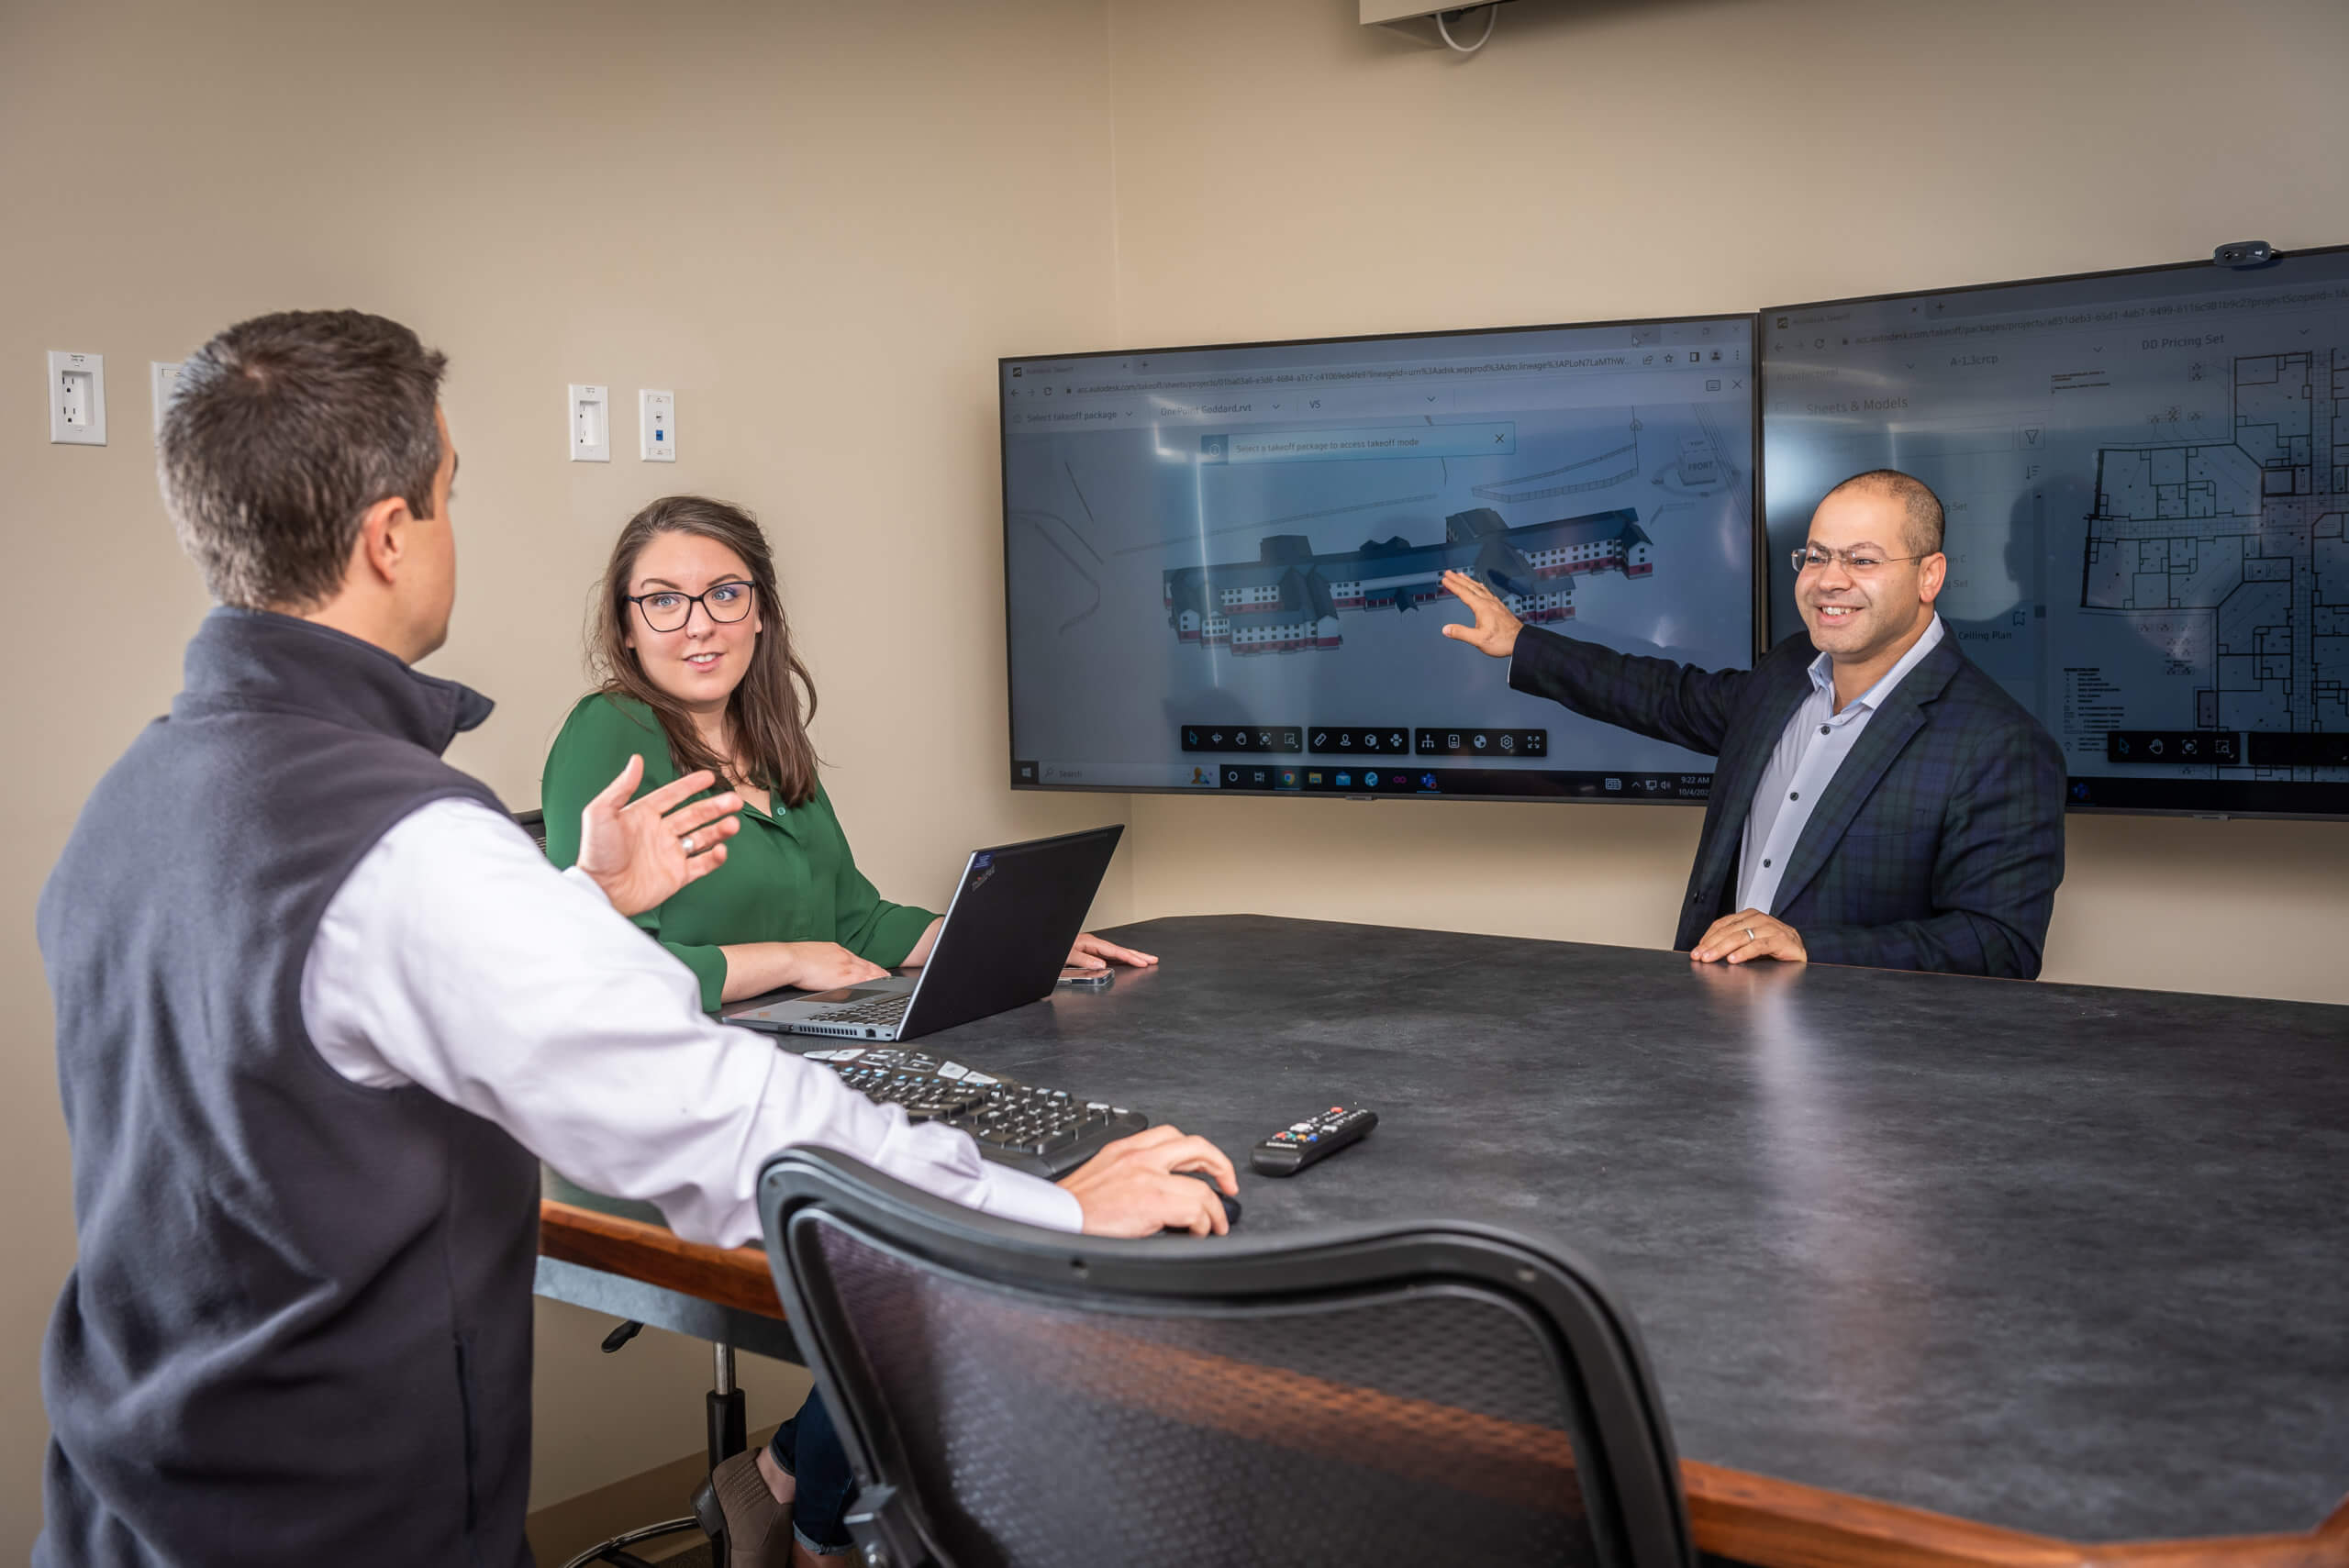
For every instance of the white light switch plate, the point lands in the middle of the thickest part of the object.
(591, 422)
(656, 425)
(165, 379)
(77, 399)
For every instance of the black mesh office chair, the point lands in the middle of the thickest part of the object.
(1015, 1396)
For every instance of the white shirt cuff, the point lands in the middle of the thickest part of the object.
(579, 878)
(1031, 1200)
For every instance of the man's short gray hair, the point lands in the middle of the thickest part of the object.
(283, 432)
(1925, 517)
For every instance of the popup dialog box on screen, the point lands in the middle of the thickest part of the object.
(1358, 444)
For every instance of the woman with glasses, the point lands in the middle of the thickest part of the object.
(698, 671)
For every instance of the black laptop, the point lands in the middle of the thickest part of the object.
(1006, 938)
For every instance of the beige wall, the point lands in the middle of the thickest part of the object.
(1282, 175)
(818, 223)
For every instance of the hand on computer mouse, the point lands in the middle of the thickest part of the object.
(1135, 1186)
(1231, 1205)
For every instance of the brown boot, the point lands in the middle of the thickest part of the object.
(756, 1529)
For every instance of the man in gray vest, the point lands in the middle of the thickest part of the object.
(322, 1007)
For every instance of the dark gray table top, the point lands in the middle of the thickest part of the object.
(2057, 1258)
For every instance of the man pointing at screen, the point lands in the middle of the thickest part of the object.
(1879, 800)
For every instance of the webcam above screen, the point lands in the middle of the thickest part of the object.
(2147, 475)
(1222, 565)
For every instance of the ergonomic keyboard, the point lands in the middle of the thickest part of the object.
(1046, 1132)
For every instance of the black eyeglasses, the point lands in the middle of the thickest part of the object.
(668, 610)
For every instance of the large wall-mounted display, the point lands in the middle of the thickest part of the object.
(2147, 475)
(1221, 564)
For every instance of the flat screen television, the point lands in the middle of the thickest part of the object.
(2145, 475)
(1221, 564)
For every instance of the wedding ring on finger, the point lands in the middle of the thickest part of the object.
(1749, 930)
(689, 849)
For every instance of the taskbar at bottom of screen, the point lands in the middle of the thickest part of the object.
(1521, 782)
(1404, 780)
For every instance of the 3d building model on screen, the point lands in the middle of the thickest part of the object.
(1288, 598)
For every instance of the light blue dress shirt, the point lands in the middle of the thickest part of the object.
(1816, 741)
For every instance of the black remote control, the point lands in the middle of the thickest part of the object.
(1300, 1143)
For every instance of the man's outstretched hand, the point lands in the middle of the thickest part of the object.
(1131, 1187)
(639, 852)
(1495, 631)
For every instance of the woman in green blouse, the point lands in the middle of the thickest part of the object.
(797, 912)
(699, 673)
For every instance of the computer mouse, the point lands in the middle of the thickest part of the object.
(1231, 1205)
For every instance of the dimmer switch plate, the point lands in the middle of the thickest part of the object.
(77, 399)
(591, 422)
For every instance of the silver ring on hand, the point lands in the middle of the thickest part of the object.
(1749, 930)
(689, 849)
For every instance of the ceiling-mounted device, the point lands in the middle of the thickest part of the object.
(1374, 12)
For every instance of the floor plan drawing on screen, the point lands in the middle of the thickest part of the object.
(2146, 477)
(1206, 547)
(2250, 532)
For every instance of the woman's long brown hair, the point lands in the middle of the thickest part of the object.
(769, 711)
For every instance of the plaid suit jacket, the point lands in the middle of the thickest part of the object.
(1937, 846)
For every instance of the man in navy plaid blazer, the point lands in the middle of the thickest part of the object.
(1879, 799)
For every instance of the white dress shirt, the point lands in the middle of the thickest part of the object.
(1810, 750)
(454, 957)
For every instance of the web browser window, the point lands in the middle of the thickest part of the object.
(1223, 565)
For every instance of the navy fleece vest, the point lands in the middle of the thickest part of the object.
(300, 1327)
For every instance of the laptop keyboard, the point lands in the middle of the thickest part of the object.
(880, 1010)
(1046, 1132)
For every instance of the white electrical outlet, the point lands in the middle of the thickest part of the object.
(166, 380)
(591, 422)
(77, 399)
(656, 425)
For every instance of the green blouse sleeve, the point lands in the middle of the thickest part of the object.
(870, 926)
(596, 743)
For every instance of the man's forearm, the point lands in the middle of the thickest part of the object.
(1958, 942)
(1656, 697)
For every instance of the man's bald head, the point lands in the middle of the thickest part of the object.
(1922, 520)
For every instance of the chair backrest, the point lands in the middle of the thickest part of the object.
(1009, 1396)
(534, 823)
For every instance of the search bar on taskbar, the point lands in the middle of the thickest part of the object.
(1129, 776)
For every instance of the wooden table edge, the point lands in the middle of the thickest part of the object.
(730, 1276)
(1735, 1514)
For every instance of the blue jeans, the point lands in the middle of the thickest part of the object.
(809, 1450)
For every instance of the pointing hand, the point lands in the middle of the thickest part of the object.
(1495, 631)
